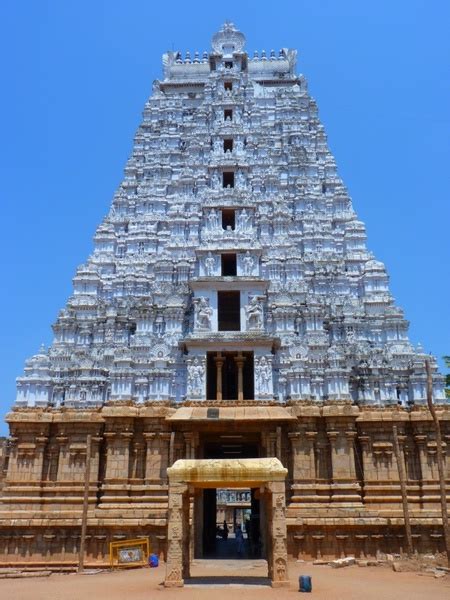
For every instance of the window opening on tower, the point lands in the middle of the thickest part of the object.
(228, 145)
(228, 179)
(228, 64)
(228, 114)
(228, 218)
(228, 86)
(229, 265)
(230, 376)
(228, 308)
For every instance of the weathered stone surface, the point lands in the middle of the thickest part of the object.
(404, 566)
(342, 562)
(226, 472)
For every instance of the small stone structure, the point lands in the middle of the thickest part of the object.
(185, 475)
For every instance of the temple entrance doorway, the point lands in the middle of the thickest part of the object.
(230, 376)
(190, 479)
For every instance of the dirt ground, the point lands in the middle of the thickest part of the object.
(231, 578)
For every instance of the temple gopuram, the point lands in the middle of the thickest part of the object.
(230, 331)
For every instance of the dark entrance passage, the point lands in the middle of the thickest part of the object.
(209, 522)
(231, 524)
(230, 376)
(230, 517)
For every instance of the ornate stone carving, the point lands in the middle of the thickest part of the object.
(254, 313)
(196, 379)
(203, 313)
(228, 39)
(248, 264)
(263, 376)
(210, 262)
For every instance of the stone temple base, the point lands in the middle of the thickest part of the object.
(342, 486)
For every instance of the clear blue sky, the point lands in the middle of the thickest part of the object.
(76, 74)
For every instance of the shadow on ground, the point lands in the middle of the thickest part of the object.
(227, 580)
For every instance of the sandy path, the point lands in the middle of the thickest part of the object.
(351, 583)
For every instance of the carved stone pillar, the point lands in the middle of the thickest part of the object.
(118, 455)
(318, 539)
(272, 444)
(75, 543)
(48, 542)
(427, 473)
(341, 540)
(361, 540)
(219, 360)
(345, 486)
(6, 540)
(178, 523)
(26, 460)
(156, 456)
(188, 444)
(63, 457)
(165, 439)
(28, 540)
(37, 465)
(63, 541)
(364, 441)
(191, 443)
(240, 360)
(152, 458)
(12, 474)
(299, 538)
(277, 557)
(303, 455)
(51, 463)
(136, 465)
(303, 465)
(100, 546)
(95, 459)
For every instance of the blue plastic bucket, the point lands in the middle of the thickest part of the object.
(153, 560)
(304, 583)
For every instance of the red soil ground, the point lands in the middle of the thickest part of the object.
(350, 583)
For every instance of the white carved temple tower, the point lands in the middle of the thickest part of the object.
(231, 274)
(231, 246)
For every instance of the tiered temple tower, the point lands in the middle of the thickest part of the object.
(231, 246)
(231, 271)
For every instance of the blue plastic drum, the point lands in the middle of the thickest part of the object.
(304, 583)
(153, 560)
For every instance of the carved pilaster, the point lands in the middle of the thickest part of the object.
(345, 485)
(421, 441)
(118, 455)
(178, 524)
(303, 455)
(277, 559)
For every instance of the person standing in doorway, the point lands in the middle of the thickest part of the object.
(225, 530)
(239, 540)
